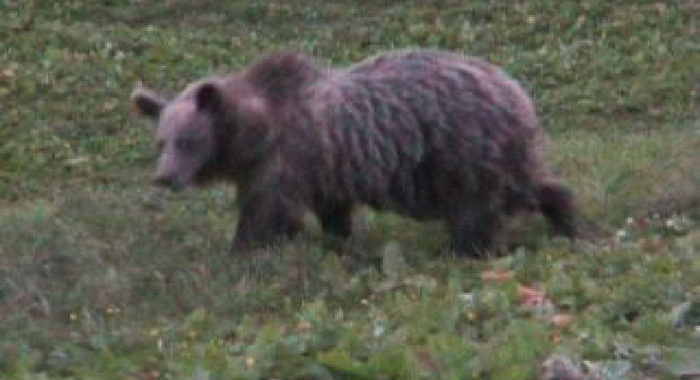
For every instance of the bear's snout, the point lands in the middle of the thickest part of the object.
(171, 182)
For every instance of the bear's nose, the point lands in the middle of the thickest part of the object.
(169, 182)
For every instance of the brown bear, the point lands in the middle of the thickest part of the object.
(425, 133)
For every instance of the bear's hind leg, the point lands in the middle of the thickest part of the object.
(336, 220)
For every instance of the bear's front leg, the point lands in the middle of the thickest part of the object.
(336, 220)
(265, 217)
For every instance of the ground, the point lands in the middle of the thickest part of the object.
(103, 276)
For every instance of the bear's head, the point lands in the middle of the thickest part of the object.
(186, 135)
(223, 127)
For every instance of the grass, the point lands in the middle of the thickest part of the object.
(102, 276)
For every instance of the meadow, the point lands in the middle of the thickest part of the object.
(103, 276)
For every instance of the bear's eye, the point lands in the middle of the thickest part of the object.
(185, 144)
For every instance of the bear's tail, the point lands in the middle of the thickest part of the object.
(556, 202)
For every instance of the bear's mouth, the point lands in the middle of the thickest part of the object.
(172, 183)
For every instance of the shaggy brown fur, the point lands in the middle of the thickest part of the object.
(429, 134)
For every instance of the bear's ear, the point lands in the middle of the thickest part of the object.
(209, 97)
(148, 102)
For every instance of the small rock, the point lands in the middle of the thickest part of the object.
(559, 367)
(467, 298)
(686, 314)
(608, 369)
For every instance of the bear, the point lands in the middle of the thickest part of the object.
(426, 133)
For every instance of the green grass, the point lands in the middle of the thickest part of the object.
(102, 276)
